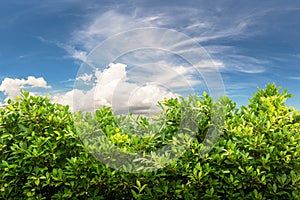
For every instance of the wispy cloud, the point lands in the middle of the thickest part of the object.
(236, 88)
(201, 24)
(207, 27)
(245, 64)
(71, 50)
(295, 78)
(108, 24)
(24, 56)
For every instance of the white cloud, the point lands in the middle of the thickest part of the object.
(12, 87)
(85, 77)
(106, 25)
(146, 97)
(245, 64)
(79, 55)
(112, 88)
(234, 61)
(70, 49)
(200, 24)
(83, 100)
(235, 30)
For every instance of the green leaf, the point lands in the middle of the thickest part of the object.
(37, 182)
(134, 194)
(138, 183)
(274, 187)
(23, 128)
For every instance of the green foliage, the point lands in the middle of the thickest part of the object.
(41, 156)
(256, 156)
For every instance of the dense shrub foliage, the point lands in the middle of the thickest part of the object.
(257, 155)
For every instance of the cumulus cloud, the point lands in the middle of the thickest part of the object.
(113, 88)
(125, 89)
(12, 87)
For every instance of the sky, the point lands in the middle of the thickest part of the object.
(130, 54)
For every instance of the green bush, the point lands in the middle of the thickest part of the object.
(256, 156)
(41, 155)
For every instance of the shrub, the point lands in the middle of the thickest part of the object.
(41, 156)
(256, 156)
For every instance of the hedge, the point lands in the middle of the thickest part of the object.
(44, 153)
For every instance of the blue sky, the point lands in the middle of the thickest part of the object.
(43, 43)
